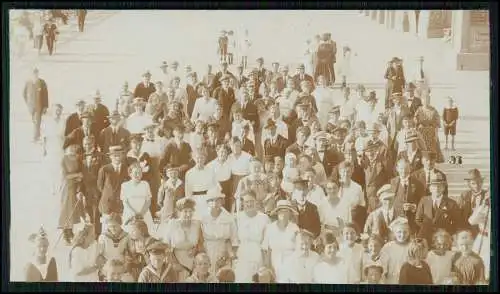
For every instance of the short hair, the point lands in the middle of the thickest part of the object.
(417, 249)
(326, 238)
(351, 226)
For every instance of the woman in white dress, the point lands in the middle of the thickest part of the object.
(332, 269)
(308, 57)
(84, 260)
(330, 208)
(324, 100)
(299, 267)
(251, 225)
(280, 237)
(290, 173)
(288, 98)
(138, 120)
(136, 198)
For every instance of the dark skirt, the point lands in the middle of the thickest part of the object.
(227, 189)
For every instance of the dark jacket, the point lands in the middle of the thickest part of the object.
(107, 138)
(277, 148)
(144, 92)
(308, 218)
(109, 184)
(36, 96)
(446, 217)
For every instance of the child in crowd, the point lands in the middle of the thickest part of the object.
(114, 272)
(416, 271)
(440, 257)
(113, 242)
(450, 118)
(352, 252)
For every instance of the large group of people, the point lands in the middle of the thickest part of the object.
(259, 176)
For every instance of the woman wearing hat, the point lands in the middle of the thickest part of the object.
(84, 260)
(324, 99)
(71, 191)
(157, 101)
(428, 122)
(183, 235)
(251, 225)
(139, 240)
(136, 122)
(474, 197)
(395, 79)
(280, 237)
(204, 107)
(326, 59)
(219, 231)
(257, 182)
(41, 267)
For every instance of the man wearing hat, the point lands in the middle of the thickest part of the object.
(85, 130)
(274, 144)
(261, 72)
(308, 216)
(223, 42)
(395, 117)
(325, 55)
(209, 80)
(437, 211)
(329, 157)
(412, 102)
(110, 179)
(376, 173)
(474, 197)
(73, 121)
(36, 97)
(282, 79)
(100, 112)
(145, 88)
(178, 152)
(379, 220)
(158, 270)
(222, 74)
(224, 94)
(301, 76)
(412, 152)
(50, 32)
(240, 79)
(376, 134)
(395, 79)
(423, 175)
(114, 134)
(408, 191)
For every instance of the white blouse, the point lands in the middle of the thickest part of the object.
(222, 170)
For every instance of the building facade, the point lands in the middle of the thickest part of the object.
(466, 31)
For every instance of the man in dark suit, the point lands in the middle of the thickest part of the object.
(274, 144)
(36, 97)
(376, 174)
(412, 154)
(225, 95)
(302, 76)
(114, 134)
(437, 211)
(209, 80)
(145, 88)
(74, 121)
(109, 181)
(224, 72)
(408, 192)
(92, 163)
(423, 175)
(308, 217)
(81, 14)
(240, 79)
(470, 199)
(50, 32)
(213, 141)
(85, 130)
(299, 147)
(177, 153)
(246, 144)
(282, 79)
(100, 113)
(379, 220)
(250, 112)
(412, 102)
(261, 72)
(329, 157)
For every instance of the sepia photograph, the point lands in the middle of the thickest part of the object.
(258, 146)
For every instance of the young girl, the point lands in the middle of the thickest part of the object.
(374, 273)
(396, 252)
(113, 242)
(332, 270)
(450, 118)
(351, 252)
(416, 271)
(84, 259)
(41, 267)
(136, 197)
(139, 240)
(171, 190)
(114, 272)
(374, 246)
(468, 265)
(440, 257)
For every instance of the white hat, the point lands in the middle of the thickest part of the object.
(385, 192)
(214, 194)
(284, 204)
(399, 221)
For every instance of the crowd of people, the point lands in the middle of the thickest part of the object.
(259, 176)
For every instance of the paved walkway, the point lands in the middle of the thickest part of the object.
(121, 47)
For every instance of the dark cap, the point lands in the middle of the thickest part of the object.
(157, 247)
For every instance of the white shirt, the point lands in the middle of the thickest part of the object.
(222, 170)
(198, 180)
(354, 257)
(349, 198)
(240, 165)
(136, 122)
(204, 108)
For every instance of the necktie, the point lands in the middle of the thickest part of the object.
(428, 178)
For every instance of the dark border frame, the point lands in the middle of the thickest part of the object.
(230, 5)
